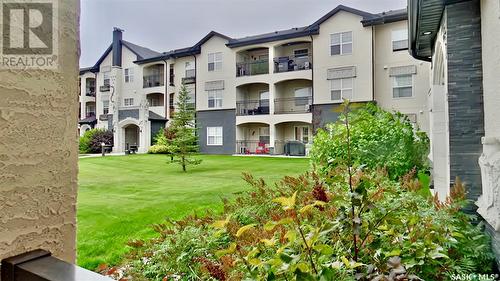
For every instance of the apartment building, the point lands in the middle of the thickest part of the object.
(267, 93)
(461, 40)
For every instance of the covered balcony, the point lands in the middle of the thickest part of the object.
(292, 138)
(90, 109)
(252, 138)
(293, 56)
(156, 103)
(293, 96)
(252, 99)
(153, 76)
(252, 62)
(90, 87)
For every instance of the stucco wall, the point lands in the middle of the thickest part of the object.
(38, 150)
(360, 58)
(385, 58)
(227, 74)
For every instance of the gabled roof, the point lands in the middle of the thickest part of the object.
(271, 36)
(363, 14)
(142, 53)
(188, 51)
(154, 116)
(386, 17)
(139, 51)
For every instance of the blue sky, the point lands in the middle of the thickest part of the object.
(163, 25)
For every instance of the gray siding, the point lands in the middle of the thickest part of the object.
(156, 125)
(217, 118)
(110, 122)
(324, 114)
(125, 113)
(465, 93)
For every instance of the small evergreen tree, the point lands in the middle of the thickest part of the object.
(183, 144)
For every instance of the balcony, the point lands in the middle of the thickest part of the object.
(104, 88)
(190, 77)
(292, 63)
(90, 92)
(292, 105)
(252, 68)
(252, 107)
(252, 147)
(154, 80)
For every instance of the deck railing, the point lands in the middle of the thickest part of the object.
(252, 68)
(154, 80)
(252, 107)
(292, 63)
(292, 105)
(252, 147)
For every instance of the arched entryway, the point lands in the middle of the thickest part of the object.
(132, 132)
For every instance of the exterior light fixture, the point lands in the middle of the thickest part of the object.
(427, 33)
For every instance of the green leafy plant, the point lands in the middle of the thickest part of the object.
(346, 221)
(184, 142)
(92, 139)
(377, 139)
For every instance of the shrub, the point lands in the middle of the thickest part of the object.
(378, 139)
(338, 222)
(158, 149)
(91, 140)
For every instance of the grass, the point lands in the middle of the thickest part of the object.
(121, 196)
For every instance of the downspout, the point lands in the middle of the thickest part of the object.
(166, 89)
(312, 88)
(373, 64)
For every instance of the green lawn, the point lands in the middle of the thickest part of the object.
(121, 196)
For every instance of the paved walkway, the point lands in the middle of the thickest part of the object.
(99, 155)
(270, 155)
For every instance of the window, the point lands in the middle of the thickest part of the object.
(171, 75)
(106, 78)
(129, 75)
(302, 134)
(214, 61)
(105, 107)
(341, 89)
(302, 96)
(190, 70)
(214, 135)
(128, 102)
(341, 43)
(264, 99)
(264, 135)
(215, 99)
(402, 86)
(301, 53)
(399, 40)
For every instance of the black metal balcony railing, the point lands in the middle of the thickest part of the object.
(188, 80)
(292, 63)
(252, 147)
(252, 68)
(90, 93)
(292, 105)
(252, 107)
(104, 88)
(103, 117)
(90, 114)
(154, 80)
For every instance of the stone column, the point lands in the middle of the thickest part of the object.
(39, 143)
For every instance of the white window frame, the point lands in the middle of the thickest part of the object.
(395, 37)
(105, 108)
(406, 86)
(128, 102)
(189, 66)
(106, 76)
(215, 59)
(217, 96)
(129, 75)
(301, 128)
(213, 136)
(302, 55)
(342, 89)
(342, 43)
